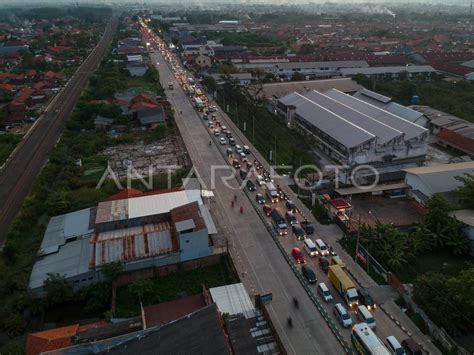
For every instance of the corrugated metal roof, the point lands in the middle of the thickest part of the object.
(410, 129)
(383, 132)
(403, 111)
(132, 243)
(364, 93)
(233, 299)
(333, 125)
(441, 168)
(206, 215)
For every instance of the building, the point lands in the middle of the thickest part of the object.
(428, 180)
(151, 117)
(136, 68)
(352, 132)
(383, 73)
(450, 131)
(277, 90)
(244, 79)
(317, 69)
(138, 230)
(387, 104)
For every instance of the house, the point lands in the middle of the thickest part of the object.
(428, 180)
(151, 117)
(102, 123)
(138, 230)
(136, 69)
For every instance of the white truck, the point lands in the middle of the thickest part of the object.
(271, 192)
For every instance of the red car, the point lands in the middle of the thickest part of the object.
(298, 256)
(267, 210)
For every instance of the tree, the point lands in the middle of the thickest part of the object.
(57, 288)
(210, 83)
(140, 288)
(297, 76)
(466, 191)
(112, 270)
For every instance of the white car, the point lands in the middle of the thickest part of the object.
(260, 180)
(217, 132)
(222, 141)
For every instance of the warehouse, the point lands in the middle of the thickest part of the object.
(317, 69)
(352, 132)
(410, 71)
(138, 230)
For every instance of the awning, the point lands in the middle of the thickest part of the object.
(379, 188)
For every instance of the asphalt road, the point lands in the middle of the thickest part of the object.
(259, 262)
(25, 164)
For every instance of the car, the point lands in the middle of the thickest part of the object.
(205, 116)
(217, 132)
(260, 180)
(236, 164)
(323, 264)
(229, 152)
(366, 299)
(309, 274)
(228, 134)
(342, 315)
(238, 149)
(210, 125)
(298, 256)
(224, 128)
(267, 210)
(243, 157)
(232, 141)
(260, 199)
(298, 232)
(291, 218)
(411, 347)
(222, 141)
(290, 205)
(251, 186)
(308, 227)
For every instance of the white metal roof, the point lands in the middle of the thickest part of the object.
(337, 127)
(233, 299)
(410, 129)
(320, 65)
(382, 131)
(464, 216)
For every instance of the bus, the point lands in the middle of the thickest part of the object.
(199, 103)
(366, 342)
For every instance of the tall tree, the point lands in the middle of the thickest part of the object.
(466, 191)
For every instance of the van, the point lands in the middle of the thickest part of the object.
(324, 292)
(246, 149)
(342, 315)
(310, 247)
(322, 247)
(366, 317)
(394, 346)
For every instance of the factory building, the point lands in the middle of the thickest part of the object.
(138, 230)
(352, 132)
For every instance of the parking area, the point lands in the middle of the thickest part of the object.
(400, 212)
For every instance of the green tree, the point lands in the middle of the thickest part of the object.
(465, 192)
(57, 288)
(210, 83)
(140, 288)
(297, 76)
(112, 270)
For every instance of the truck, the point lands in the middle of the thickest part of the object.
(271, 192)
(343, 285)
(170, 85)
(279, 223)
(199, 103)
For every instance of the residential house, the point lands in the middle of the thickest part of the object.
(151, 117)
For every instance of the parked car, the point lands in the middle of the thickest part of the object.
(298, 256)
(309, 274)
(236, 164)
(260, 199)
(323, 264)
(251, 186)
(298, 232)
(290, 205)
(243, 174)
(308, 227)
(323, 290)
(366, 299)
(210, 125)
(267, 210)
(222, 141)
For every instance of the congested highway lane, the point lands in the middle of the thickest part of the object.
(258, 261)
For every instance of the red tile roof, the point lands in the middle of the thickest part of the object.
(7, 87)
(456, 140)
(340, 204)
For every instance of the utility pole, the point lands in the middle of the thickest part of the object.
(357, 243)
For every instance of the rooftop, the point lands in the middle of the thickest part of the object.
(389, 70)
(233, 300)
(441, 168)
(329, 64)
(464, 216)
